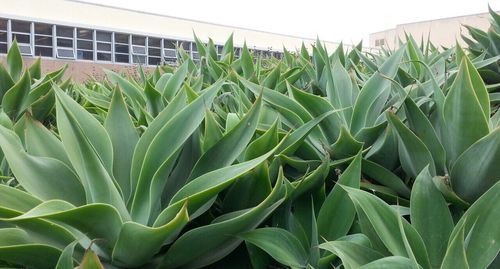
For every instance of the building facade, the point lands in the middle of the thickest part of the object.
(85, 35)
(441, 32)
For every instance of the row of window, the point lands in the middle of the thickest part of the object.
(65, 42)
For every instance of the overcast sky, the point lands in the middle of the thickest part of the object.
(332, 20)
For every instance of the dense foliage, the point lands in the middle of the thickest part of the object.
(317, 160)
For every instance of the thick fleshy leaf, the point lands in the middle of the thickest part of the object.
(455, 254)
(353, 255)
(151, 240)
(413, 153)
(90, 261)
(392, 262)
(97, 221)
(123, 137)
(6, 81)
(15, 100)
(282, 245)
(477, 169)
(384, 222)
(46, 178)
(90, 152)
(157, 162)
(222, 233)
(174, 83)
(366, 109)
(66, 259)
(15, 61)
(16, 199)
(337, 213)
(133, 92)
(464, 117)
(385, 177)
(430, 216)
(231, 145)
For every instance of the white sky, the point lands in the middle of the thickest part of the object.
(333, 20)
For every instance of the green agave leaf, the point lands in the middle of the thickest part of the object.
(264, 143)
(246, 62)
(223, 233)
(154, 101)
(353, 255)
(231, 145)
(392, 262)
(66, 259)
(152, 239)
(213, 132)
(413, 153)
(17, 248)
(124, 137)
(16, 199)
(282, 245)
(97, 221)
(6, 81)
(15, 100)
(343, 85)
(422, 128)
(430, 216)
(90, 152)
(385, 177)
(310, 183)
(477, 169)
(90, 261)
(135, 93)
(41, 142)
(345, 146)
(36, 69)
(365, 110)
(465, 120)
(337, 213)
(481, 229)
(384, 222)
(155, 164)
(15, 61)
(455, 254)
(174, 83)
(45, 178)
(204, 188)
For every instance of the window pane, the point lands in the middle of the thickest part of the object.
(121, 38)
(84, 55)
(3, 24)
(139, 40)
(81, 44)
(139, 59)
(21, 38)
(43, 51)
(154, 42)
(104, 46)
(154, 61)
(121, 58)
(104, 56)
(43, 40)
(84, 33)
(3, 37)
(64, 31)
(62, 42)
(103, 36)
(154, 52)
(25, 49)
(139, 50)
(169, 44)
(186, 46)
(3, 48)
(170, 53)
(219, 49)
(121, 48)
(65, 53)
(21, 26)
(43, 29)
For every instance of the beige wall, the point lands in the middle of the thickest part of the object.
(80, 70)
(108, 18)
(443, 32)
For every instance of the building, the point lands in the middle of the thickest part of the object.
(89, 37)
(443, 32)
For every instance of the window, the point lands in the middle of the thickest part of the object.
(65, 42)
(3, 36)
(21, 32)
(139, 49)
(122, 48)
(84, 44)
(43, 40)
(169, 50)
(103, 46)
(195, 55)
(379, 42)
(237, 53)
(219, 49)
(154, 51)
